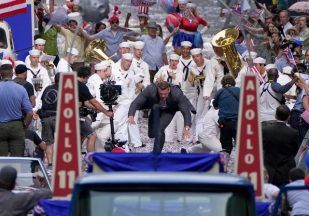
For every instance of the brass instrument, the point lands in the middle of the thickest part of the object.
(195, 79)
(223, 45)
(48, 65)
(95, 51)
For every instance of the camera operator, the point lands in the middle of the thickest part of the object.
(102, 124)
(47, 114)
(86, 99)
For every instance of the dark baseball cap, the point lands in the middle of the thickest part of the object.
(19, 69)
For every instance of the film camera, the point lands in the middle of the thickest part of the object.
(109, 94)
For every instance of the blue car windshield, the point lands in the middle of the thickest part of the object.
(166, 203)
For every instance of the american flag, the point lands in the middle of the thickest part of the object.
(257, 74)
(143, 2)
(289, 56)
(12, 7)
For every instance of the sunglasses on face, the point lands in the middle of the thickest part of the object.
(115, 22)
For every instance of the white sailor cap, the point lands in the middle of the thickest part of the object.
(191, 5)
(196, 51)
(18, 62)
(102, 65)
(76, 16)
(287, 70)
(182, 1)
(270, 66)
(138, 44)
(127, 56)
(5, 61)
(72, 51)
(39, 41)
(245, 55)
(34, 52)
(124, 44)
(174, 56)
(259, 60)
(186, 44)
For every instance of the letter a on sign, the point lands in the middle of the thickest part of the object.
(249, 155)
(67, 159)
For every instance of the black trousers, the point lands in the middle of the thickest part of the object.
(157, 123)
(228, 131)
(299, 124)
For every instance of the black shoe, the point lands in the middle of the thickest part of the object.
(183, 151)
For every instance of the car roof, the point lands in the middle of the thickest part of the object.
(162, 178)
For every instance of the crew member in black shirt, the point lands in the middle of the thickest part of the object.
(21, 78)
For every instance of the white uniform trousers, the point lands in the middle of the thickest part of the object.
(134, 133)
(201, 110)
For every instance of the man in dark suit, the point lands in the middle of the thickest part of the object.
(164, 100)
(280, 145)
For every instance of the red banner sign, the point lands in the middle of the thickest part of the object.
(249, 155)
(67, 158)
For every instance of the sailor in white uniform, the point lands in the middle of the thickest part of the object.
(37, 76)
(64, 65)
(102, 124)
(125, 77)
(39, 44)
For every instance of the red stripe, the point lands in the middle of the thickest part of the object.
(12, 3)
(13, 13)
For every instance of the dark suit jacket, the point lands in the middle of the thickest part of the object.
(176, 101)
(280, 145)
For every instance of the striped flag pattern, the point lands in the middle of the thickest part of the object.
(257, 75)
(289, 56)
(143, 2)
(10, 8)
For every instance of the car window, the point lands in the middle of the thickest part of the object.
(3, 39)
(166, 203)
(29, 174)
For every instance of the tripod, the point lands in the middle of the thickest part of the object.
(112, 144)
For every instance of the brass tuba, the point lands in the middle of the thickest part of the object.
(95, 51)
(223, 45)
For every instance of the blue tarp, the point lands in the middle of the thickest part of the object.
(110, 162)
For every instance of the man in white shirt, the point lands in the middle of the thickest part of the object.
(209, 134)
(37, 76)
(284, 21)
(125, 77)
(102, 123)
(39, 44)
(209, 73)
(185, 65)
(64, 65)
(170, 73)
(139, 66)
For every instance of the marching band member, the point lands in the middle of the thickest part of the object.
(139, 66)
(39, 44)
(170, 73)
(205, 74)
(37, 76)
(185, 65)
(125, 77)
(64, 65)
(124, 47)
